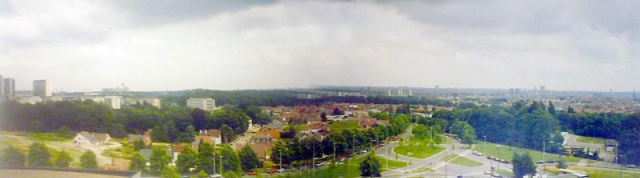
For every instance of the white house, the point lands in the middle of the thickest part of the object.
(84, 138)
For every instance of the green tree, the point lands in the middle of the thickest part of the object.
(230, 160)
(138, 163)
(169, 172)
(63, 160)
(202, 174)
(551, 108)
(38, 155)
(227, 133)
(561, 164)
(88, 160)
(248, 158)
(158, 159)
(230, 174)
(370, 167)
(186, 159)
(523, 165)
(205, 158)
(323, 117)
(12, 157)
(64, 131)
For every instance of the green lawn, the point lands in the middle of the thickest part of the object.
(338, 126)
(465, 162)
(48, 136)
(593, 140)
(504, 152)
(351, 169)
(505, 173)
(599, 173)
(299, 128)
(418, 149)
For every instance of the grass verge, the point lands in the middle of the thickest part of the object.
(506, 152)
(418, 149)
(465, 162)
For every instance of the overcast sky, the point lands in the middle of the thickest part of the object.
(171, 45)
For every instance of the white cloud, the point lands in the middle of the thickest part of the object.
(172, 45)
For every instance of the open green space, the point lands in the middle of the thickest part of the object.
(506, 152)
(337, 126)
(465, 162)
(593, 140)
(449, 157)
(45, 136)
(505, 173)
(418, 149)
(603, 173)
(351, 169)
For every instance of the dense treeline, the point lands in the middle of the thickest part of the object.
(169, 124)
(299, 151)
(245, 98)
(530, 124)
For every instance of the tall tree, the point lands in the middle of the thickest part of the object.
(158, 159)
(230, 160)
(523, 165)
(169, 172)
(138, 163)
(11, 156)
(248, 158)
(88, 160)
(186, 159)
(63, 160)
(323, 116)
(39, 155)
(199, 118)
(370, 167)
(205, 158)
(551, 108)
(228, 135)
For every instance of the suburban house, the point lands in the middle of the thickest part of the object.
(310, 134)
(269, 131)
(146, 138)
(102, 137)
(319, 127)
(84, 138)
(213, 133)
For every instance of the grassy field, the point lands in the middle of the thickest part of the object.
(418, 149)
(590, 140)
(39, 136)
(505, 173)
(338, 126)
(465, 162)
(351, 169)
(504, 152)
(599, 173)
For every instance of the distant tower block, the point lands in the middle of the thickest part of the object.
(410, 92)
(389, 92)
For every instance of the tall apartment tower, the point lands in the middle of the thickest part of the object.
(206, 104)
(41, 88)
(9, 87)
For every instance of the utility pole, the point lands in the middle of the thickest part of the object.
(544, 162)
(446, 165)
(280, 153)
(498, 169)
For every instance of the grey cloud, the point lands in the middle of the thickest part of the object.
(152, 13)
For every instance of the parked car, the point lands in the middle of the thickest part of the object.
(489, 157)
(487, 172)
(550, 161)
(282, 170)
(495, 174)
(272, 171)
(252, 173)
(540, 162)
(630, 165)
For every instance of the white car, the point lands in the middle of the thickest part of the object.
(487, 172)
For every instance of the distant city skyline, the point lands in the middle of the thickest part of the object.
(226, 45)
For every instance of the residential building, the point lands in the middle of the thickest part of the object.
(213, 133)
(269, 131)
(146, 138)
(113, 101)
(102, 137)
(29, 100)
(9, 87)
(206, 104)
(84, 138)
(41, 88)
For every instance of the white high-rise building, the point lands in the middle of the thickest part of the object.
(41, 88)
(9, 87)
(113, 101)
(206, 104)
